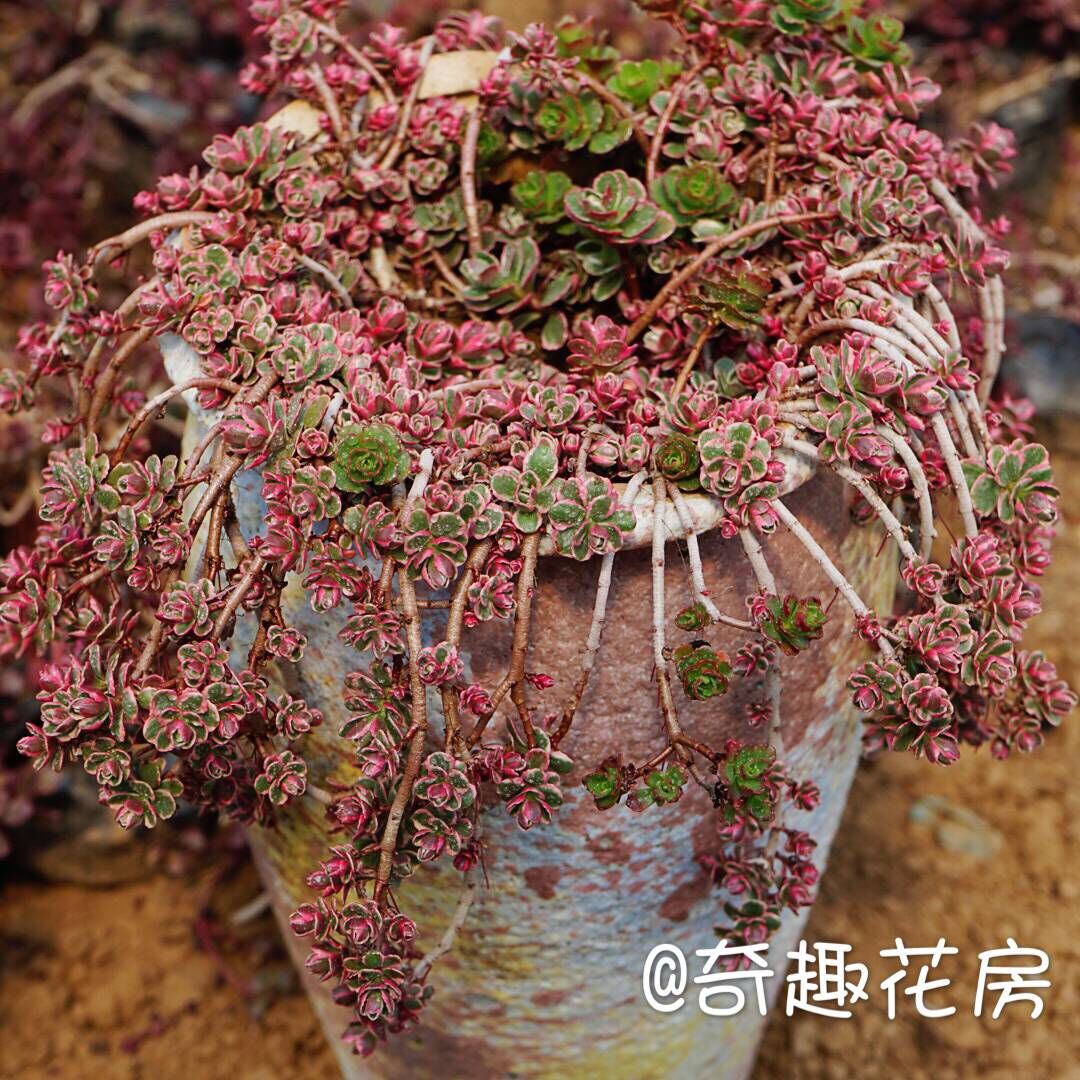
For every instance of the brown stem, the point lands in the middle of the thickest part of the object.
(216, 526)
(157, 633)
(236, 538)
(221, 479)
(698, 747)
(454, 623)
(663, 680)
(236, 598)
(386, 577)
(88, 579)
(446, 942)
(418, 704)
(530, 549)
(137, 233)
(665, 118)
(197, 453)
(328, 276)
(107, 380)
(332, 34)
(218, 483)
(90, 365)
(160, 401)
(692, 359)
(457, 286)
(695, 266)
(269, 615)
(596, 628)
(330, 104)
(468, 179)
(770, 171)
(407, 110)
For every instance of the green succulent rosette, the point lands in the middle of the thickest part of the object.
(369, 455)
(703, 672)
(796, 16)
(617, 208)
(677, 457)
(689, 192)
(540, 195)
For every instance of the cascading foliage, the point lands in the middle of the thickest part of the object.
(457, 314)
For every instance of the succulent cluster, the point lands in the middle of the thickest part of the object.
(445, 317)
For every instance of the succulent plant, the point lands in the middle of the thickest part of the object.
(793, 622)
(1016, 481)
(570, 119)
(877, 40)
(732, 296)
(796, 16)
(689, 192)
(662, 787)
(677, 457)
(284, 777)
(735, 462)
(532, 792)
(745, 773)
(586, 519)
(635, 81)
(540, 195)
(695, 617)
(600, 345)
(703, 672)
(428, 371)
(445, 784)
(368, 454)
(502, 284)
(531, 490)
(439, 664)
(608, 783)
(617, 208)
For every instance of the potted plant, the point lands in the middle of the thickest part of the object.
(559, 429)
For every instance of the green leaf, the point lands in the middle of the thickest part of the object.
(540, 195)
(543, 460)
(733, 296)
(526, 521)
(553, 335)
(107, 499)
(636, 81)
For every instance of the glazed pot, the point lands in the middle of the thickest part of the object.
(545, 981)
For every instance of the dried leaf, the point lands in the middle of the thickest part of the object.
(456, 72)
(299, 117)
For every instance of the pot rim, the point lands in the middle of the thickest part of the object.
(704, 512)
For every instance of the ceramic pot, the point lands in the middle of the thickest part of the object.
(546, 979)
